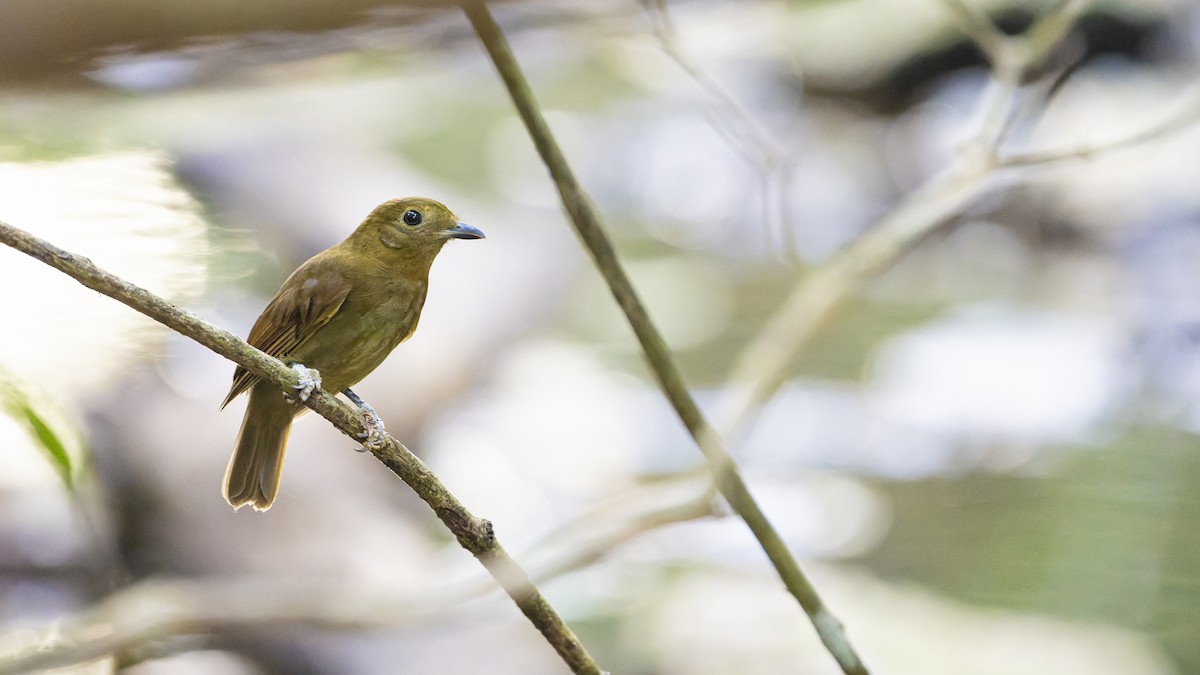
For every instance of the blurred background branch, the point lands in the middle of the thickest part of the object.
(156, 610)
(1181, 114)
(767, 361)
(1016, 59)
(766, 154)
(991, 41)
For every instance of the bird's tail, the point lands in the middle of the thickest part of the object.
(252, 476)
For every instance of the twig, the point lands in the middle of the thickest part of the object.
(994, 44)
(1186, 114)
(473, 534)
(1012, 59)
(734, 122)
(766, 362)
(662, 363)
(155, 609)
(1046, 34)
(740, 127)
(689, 496)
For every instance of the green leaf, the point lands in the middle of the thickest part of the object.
(55, 437)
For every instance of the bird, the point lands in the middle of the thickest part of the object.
(334, 320)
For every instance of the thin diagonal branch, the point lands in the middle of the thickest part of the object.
(1185, 114)
(765, 364)
(767, 360)
(658, 355)
(592, 534)
(1045, 35)
(473, 534)
(159, 608)
(1014, 59)
(991, 40)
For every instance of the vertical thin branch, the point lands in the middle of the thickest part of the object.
(744, 134)
(662, 363)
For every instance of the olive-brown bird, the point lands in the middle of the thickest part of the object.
(341, 313)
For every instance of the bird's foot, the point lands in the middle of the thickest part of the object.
(374, 437)
(310, 381)
(376, 433)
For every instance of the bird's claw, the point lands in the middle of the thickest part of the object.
(310, 381)
(374, 437)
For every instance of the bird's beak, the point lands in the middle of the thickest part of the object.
(463, 231)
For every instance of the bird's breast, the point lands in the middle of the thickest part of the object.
(362, 334)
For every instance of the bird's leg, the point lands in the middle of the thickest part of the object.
(310, 381)
(373, 439)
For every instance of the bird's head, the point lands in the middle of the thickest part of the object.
(414, 225)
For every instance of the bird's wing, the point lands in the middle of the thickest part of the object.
(308, 300)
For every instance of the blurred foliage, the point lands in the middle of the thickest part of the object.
(1106, 536)
(62, 445)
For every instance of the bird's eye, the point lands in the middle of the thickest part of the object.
(412, 218)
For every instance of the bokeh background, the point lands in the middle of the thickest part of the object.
(986, 456)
